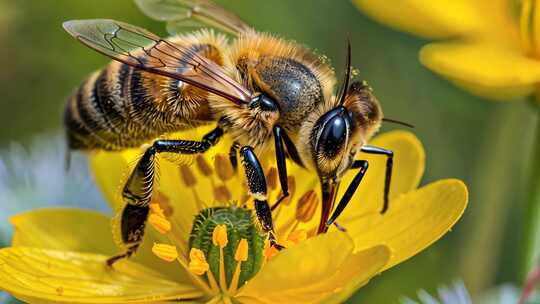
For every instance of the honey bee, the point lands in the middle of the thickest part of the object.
(258, 89)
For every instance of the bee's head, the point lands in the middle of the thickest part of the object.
(336, 132)
(331, 142)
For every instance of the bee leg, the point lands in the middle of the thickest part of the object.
(346, 198)
(257, 188)
(388, 175)
(282, 140)
(132, 223)
(233, 155)
(137, 191)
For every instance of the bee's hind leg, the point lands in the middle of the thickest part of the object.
(137, 191)
(257, 188)
(132, 223)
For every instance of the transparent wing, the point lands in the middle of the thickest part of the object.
(142, 49)
(180, 14)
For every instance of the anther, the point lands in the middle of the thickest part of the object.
(306, 207)
(162, 201)
(242, 251)
(291, 181)
(165, 252)
(223, 167)
(240, 256)
(197, 262)
(187, 176)
(203, 166)
(269, 250)
(271, 178)
(222, 194)
(156, 209)
(219, 236)
(160, 223)
(297, 236)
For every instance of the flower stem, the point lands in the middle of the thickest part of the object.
(492, 181)
(532, 209)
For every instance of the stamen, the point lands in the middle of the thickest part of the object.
(156, 209)
(165, 252)
(163, 202)
(271, 178)
(291, 181)
(219, 236)
(203, 166)
(222, 194)
(297, 236)
(197, 262)
(307, 206)
(223, 167)
(187, 176)
(240, 256)
(269, 250)
(160, 223)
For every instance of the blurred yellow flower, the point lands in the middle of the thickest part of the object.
(492, 48)
(58, 255)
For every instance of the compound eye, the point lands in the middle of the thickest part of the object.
(333, 136)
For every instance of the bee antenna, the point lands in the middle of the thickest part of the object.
(345, 84)
(398, 122)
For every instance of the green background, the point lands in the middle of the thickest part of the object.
(484, 143)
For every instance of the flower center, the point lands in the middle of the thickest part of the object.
(227, 241)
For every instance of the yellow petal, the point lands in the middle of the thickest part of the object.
(312, 270)
(409, 165)
(486, 69)
(64, 229)
(430, 19)
(70, 277)
(414, 221)
(83, 231)
(361, 267)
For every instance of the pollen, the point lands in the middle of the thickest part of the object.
(242, 251)
(160, 223)
(197, 262)
(219, 236)
(165, 252)
(307, 205)
(223, 167)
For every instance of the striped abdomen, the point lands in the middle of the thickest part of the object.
(121, 107)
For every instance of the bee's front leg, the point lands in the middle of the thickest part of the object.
(388, 174)
(282, 140)
(257, 189)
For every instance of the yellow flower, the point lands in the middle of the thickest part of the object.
(492, 47)
(58, 255)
